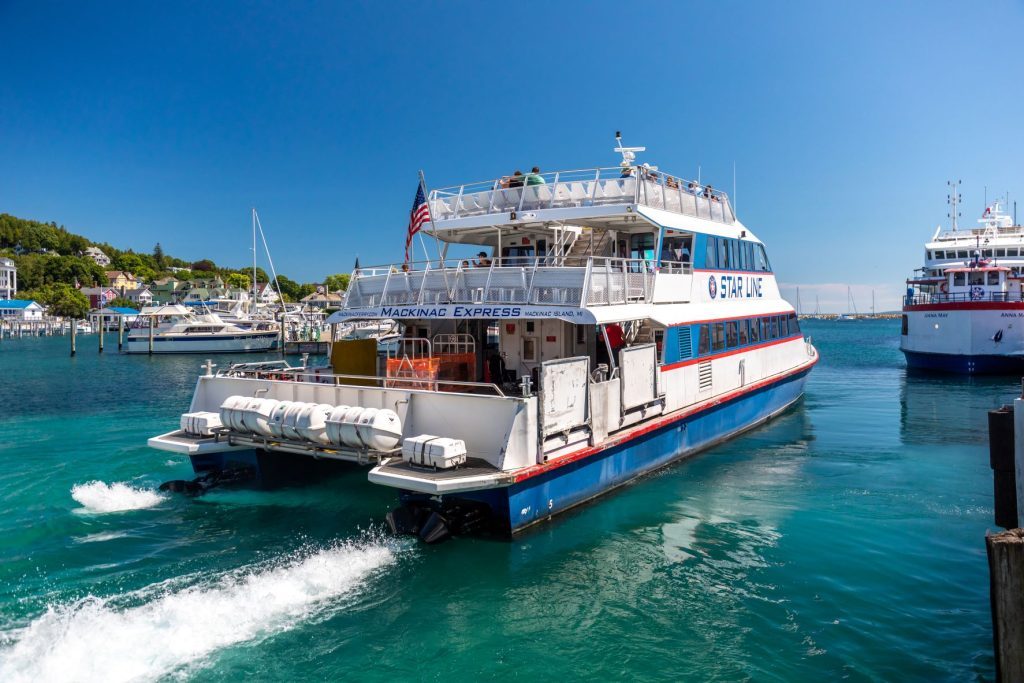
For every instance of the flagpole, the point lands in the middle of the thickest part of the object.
(430, 215)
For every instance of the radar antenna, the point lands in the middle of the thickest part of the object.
(954, 199)
(628, 153)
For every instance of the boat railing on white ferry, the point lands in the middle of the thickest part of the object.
(960, 297)
(547, 280)
(579, 188)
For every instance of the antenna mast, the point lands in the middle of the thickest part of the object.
(954, 199)
(628, 153)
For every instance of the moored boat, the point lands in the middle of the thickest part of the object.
(175, 329)
(638, 322)
(962, 312)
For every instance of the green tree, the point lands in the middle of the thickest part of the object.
(205, 265)
(239, 280)
(337, 283)
(158, 257)
(60, 299)
(121, 302)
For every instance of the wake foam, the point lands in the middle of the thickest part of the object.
(100, 497)
(95, 639)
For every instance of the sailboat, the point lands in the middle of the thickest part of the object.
(845, 317)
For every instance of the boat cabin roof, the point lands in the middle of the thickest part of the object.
(979, 269)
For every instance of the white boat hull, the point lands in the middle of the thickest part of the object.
(238, 342)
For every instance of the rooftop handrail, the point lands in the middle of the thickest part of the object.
(583, 187)
(961, 297)
(302, 375)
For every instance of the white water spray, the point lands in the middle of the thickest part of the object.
(100, 497)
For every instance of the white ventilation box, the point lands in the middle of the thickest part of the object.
(200, 424)
(434, 451)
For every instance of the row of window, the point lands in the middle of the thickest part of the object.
(969, 253)
(722, 253)
(716, 337)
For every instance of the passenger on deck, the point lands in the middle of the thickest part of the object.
(671, 182)
(708, 191)
(517, 179)
(627, 172)
(693, 188)
(465, 264)
(535, 177)
(482, 260)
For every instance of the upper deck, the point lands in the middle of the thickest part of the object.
(562, 194)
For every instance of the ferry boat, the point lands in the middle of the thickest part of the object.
(173, 328)
(963, 311)
(638, 322)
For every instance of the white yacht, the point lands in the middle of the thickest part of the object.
(176, 329)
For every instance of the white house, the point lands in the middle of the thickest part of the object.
(8, 279)
(265, 293)
(15, 310)
(139, 295)
(98, 256)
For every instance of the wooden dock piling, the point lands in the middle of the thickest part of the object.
(100, 335)
(74, 329)
(1002, 461)
(152, 326)
(1006, 577)
(120, 332)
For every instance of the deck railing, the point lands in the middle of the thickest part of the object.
(565, 281)
(582, 188)
(961, 297)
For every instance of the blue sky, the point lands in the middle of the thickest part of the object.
(143, 122)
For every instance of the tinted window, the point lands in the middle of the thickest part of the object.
(783, 326)
(718, 336)
(723, 254)
(711, 253)
(755, 330)
(743, 331)
(702, 344)
(794, 324)
(731, 337)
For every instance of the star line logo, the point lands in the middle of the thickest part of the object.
(712, 287)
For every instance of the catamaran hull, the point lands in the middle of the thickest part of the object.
(537, 498)
(248, 343)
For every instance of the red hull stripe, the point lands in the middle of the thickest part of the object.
(968, 306)
(642, 429)
(730, 352)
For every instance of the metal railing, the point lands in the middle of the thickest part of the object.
(579, 188)
(564, 280)
(962, 297)
(302, 374)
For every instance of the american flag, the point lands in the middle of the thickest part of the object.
(419, 215)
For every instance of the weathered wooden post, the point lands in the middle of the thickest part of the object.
(1002, 462)
(152, 325)
(1006, 586)
(120, 332)
(74, 329)
(101, 331)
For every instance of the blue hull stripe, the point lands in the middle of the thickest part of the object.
(963, 364)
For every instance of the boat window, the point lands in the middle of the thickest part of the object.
(642, 246)
(742, 324)
(711, 252)
(723, 254)
(762, 259)
(516, 256)
(1000, 252)
(675, 250)
(773, 328)
(731, 336)
(703, 344)
(993, 278)
(755, 330)
(794, 324)
(961, 254)
(717, 336)
(987, 253)
(1013, 252)
(975, 278)
(959, 279)
(783, 326)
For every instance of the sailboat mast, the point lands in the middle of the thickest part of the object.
(252, 304)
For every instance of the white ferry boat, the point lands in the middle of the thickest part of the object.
(175, 329)
(963, 312)
(637, 321)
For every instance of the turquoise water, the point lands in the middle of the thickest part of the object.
(844, 540)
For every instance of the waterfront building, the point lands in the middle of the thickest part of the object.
(139, 295)
(99, 297)
(19, 310)
(8, 279)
